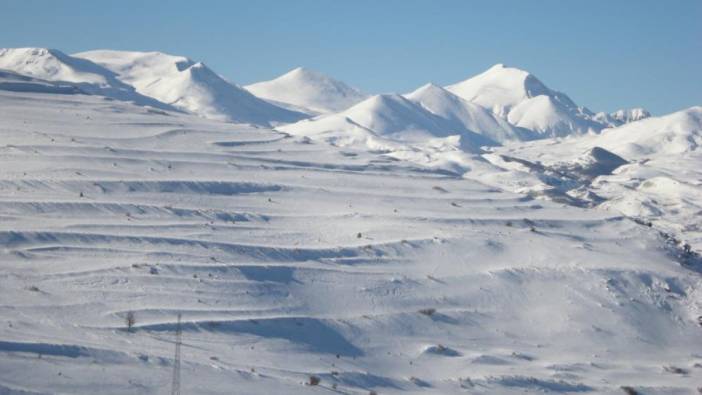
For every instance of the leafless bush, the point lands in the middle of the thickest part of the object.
(629, 390)
(130, 319)
(428, 311)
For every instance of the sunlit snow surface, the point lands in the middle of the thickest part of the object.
(290, 257)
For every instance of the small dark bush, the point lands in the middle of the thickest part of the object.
(428, 311)
(629, 390)
(674, 370)
(130, 320)
(314, 380)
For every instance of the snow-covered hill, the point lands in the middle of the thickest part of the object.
(308, 90)
(659, 184)
(190, 86)
(463, 114)
(54, 65)
(672, 134)
(291, 259)
(526, 102)
(392, 117)
(437, 242)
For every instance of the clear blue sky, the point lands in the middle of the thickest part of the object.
(605, 54)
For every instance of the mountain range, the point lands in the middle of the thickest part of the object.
(499, 105)
(299, 236)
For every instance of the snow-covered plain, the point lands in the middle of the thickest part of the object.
(370, 248)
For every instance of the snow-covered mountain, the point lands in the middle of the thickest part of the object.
(671, 134)
(526, 102)
(309, 91)
(54, 65)
(190, 86)
(461, 113)
(405, 257)
(390, 116)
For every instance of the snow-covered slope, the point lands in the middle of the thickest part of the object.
(671, 134)
(524, 101)
(11, 81)
(290, 259)
(661, 184)
(308, 89)
(54, 65)
(190, 86)
(392, 117)
(463, 114)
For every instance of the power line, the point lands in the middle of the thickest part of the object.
(175, 385)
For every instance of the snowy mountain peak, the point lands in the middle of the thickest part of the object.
(468, 115)
(191, 86)
(303, 72)
(389, 118)
(308, 89)
(500, 88)
(518, 96)
(428, 88)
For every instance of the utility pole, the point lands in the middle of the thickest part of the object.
(175, 385)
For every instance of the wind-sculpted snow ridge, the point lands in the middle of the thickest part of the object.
(309, 90)
(190, 86)
(373, 269)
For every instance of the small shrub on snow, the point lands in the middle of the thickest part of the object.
(428, 311)
(629, 390)
(130, 320)
(674, 370)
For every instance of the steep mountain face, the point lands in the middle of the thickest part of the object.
(464, 114)
(190, 86)
(526, 102)
(389, 116)
(308, 90)
(54, 65)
